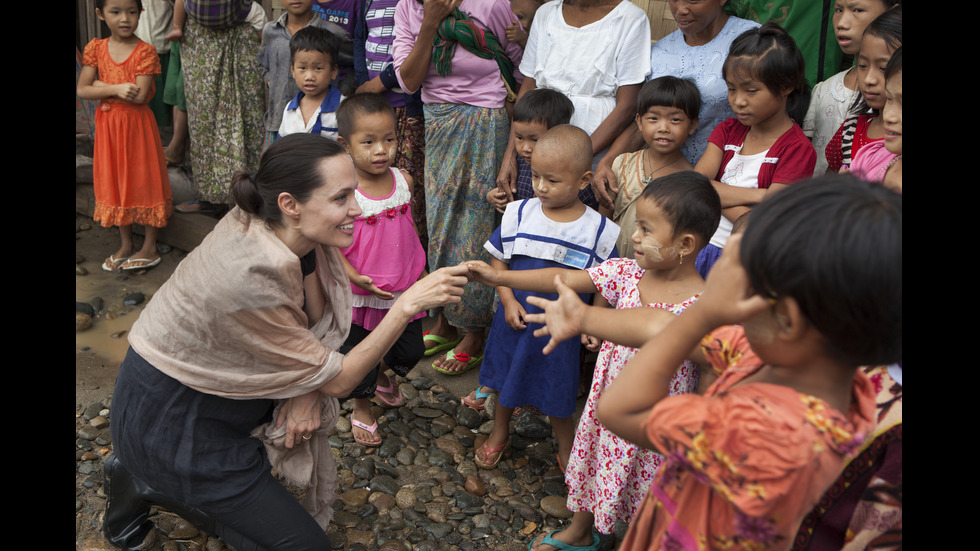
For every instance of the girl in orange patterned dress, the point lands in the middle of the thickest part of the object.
(131, 184)
(749, 459)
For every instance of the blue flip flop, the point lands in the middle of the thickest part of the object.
(548, 540)
(479, 395)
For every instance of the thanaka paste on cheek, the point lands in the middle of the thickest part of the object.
(655, 250)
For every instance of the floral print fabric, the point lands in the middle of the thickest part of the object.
(745, 462)
(607, 475)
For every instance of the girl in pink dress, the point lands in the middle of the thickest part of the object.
(386, 257)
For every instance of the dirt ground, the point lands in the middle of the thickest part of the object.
(100, 349)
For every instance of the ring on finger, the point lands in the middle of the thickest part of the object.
(306, 437)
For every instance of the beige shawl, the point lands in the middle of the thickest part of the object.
(230, 322)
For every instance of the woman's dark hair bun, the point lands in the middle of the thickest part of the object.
(245, 192)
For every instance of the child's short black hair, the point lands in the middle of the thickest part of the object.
(670, 91)
(100, 5)
(356, 105)
(689, 202)
(546, 105)
(315, 39)
(834, 244)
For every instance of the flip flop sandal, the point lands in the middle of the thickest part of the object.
(477, 394)
(441, 343)
(464, 358)
(149, 264)
(112, 263)
(372, 429)
(380, 393)
(548, 540)
(501, 451)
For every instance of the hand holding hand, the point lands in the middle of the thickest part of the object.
(507, 177)
(562, 318)
(498, 199)
(441, 287)
(482, 272)
(301, 414)
(605, 186)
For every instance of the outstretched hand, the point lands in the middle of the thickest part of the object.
(728, 297)
(562, 318)
(366, 283)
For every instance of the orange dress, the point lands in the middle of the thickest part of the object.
(744, 463)
(131, 183)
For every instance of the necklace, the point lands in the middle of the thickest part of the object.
(649, 178)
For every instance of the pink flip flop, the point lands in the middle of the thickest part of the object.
(389, 390)
(373, 428)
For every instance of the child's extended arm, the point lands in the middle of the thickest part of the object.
(625, 404)
(569, 316)
(536, 281)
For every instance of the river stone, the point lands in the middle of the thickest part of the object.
(555, 506)
(428, 413)
(449, 445)
(475, 486)
(384, 483)
(405, 456)
(84, 308)
(345, 519)
(364, 469)
(133, 299)
(355, 498)
(438, 530)
(531, 426)
(439, 458)
(554, 488)
(82, 321)
(466, 499)
(382, 501)
(389, 447)
(405, 498)
(442, 425)
(468, 417)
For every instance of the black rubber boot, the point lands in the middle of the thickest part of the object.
(128, 508)
(127, 512)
